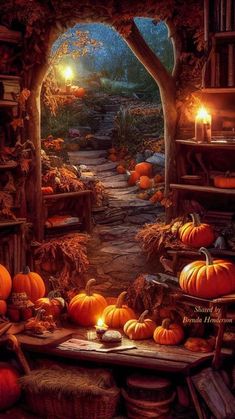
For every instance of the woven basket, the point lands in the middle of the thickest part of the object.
(60, 394)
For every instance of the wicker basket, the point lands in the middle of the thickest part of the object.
(80, 394)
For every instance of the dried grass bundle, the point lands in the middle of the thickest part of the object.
(68, 255)
(154, 238)
(62, 180)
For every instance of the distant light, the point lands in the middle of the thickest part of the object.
(68, 73)
(202, 113)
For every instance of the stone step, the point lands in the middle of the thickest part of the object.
(114, 184)
(128, 203)
(87, 162)
(91, 154)
(107, 166)
(125, 191)
(114, 176)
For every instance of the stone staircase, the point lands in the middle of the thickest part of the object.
(115, 256)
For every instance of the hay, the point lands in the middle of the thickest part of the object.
(68, 383)
(155, 238)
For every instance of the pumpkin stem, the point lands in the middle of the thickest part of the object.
(142, 316)
(196, 219)
(120, 299)
(166, 323)
(209, 259)
(89, 285)
(26, 270)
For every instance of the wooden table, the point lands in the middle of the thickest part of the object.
(147, 355)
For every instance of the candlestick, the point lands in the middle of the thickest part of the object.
(203, 126)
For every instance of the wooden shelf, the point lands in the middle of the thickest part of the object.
(10, 36)
(199, 188)
(9, 77)
(224, 35)
(8, 103)
(217, 90)
(213, 144)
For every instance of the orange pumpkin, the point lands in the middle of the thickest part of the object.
(134, 176)
(168, 333)
(52, 306)
(86, 307)
(156, 197)
(9, 386)
(145, 182)
(5, 283)
(140, 329)
(78, 91)
(158, 179)
(117, 315)
(3, 307)
(196, 234)
(121, 169)
(226, 181)
(47, 190)
(144, 169)
(208, 279)
(113, 157)
(29, 282)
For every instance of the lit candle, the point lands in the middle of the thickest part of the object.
(101, 328)
(68, 78)
(203, 126)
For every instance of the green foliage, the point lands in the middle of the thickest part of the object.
(125, 130)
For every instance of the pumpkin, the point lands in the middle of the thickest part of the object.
(168, 333)
(144, 169)
(3, 307)
(78, 91)
(156, 197)
(116, 315)
(196, 234)
(121, 169)
(140, 329)
(226, 181)
(200, 344)
(29, 282)
(47, 190)
(134, 176)
(9, 387)
(86, 307)
(145, 182)
(158, 179)
(209, 278)
(113, 157)
(5, 283)
(52, 306)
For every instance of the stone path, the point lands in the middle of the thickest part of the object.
(115, 256)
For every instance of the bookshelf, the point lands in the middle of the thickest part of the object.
(219, 30)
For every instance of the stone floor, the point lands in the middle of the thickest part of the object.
(114, 254)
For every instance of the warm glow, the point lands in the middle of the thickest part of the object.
(68, 73)
(202, 113)
(100, 322)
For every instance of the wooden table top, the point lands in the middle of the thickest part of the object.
(147, 355)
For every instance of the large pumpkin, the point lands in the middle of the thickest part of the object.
(3, 307)
(144, 169)
(116, 315)
(168, 333)
(208, 279)
(145, 182)
(140, 329)
(9, 387)
(5, 283)
(196, 234)
(86, 307)
(29, 282)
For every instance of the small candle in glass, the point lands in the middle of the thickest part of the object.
(203, 126)
(101, 328)
(68, 79)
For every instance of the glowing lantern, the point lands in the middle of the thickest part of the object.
(203, 126)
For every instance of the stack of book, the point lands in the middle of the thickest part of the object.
(223, 15)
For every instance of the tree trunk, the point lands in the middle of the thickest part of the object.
(167, 89)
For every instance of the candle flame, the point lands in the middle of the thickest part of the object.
(100, 322)
(202, 113)
(68, 73)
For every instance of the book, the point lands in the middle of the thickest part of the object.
(230, 65)
(228, 22)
